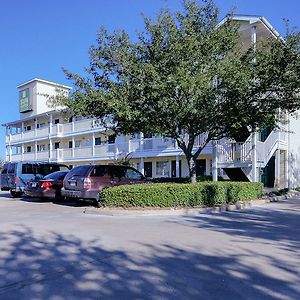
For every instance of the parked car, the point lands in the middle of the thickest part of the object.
(85, 182)
(16, 175)
(47, 187)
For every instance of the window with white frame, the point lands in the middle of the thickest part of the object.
(162, 169)
(97, 141)
(77, 144)
(41, 147)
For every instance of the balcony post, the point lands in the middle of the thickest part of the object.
(50, 149)
(10, 152)
(177, 166)
(22, 152)
(73, 147)
(35, 150)
(35, 127)
(254, 157)
(214, 161)
(50, 125)
(22, 130)
(142, 168)
(142, 141)
(277, 169)
(93, 144)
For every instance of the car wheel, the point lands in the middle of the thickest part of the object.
(15, 194)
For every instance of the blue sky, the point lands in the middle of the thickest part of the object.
(38, 38)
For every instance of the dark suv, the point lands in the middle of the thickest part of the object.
(85, 182)
(16, 175)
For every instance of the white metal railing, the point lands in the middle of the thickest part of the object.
(104, 150)
(29, 135)
(83, 152)
(266, 149)
(42, 132)
(42, 155)
(229, 152)
(67, 128)
(16, 157)
(232, 152)
(29, 156)
(16, 137)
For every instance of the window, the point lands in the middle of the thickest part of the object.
(56, 121)
(70, 119)
(98, 171)
(56, 145)
(147, 136)
(97, 141)
(41, 147)
(27, 128)
(77, 144)
(45, 169)
(162, 169)
(27, 169)
(56, 176)
(11, 168)
(4, 169)
(132, 174)
(135, 136)
(112, 139)
(79, 171)
(28, 149)
(70, 144)
(117, 172)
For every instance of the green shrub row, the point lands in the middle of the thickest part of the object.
(179, 195)
(183, 179)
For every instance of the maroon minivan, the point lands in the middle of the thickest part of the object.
(85, 182)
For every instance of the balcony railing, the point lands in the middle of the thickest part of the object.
(79, 127)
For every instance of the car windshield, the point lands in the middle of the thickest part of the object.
(56, 176)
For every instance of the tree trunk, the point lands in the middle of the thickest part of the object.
(192, 168)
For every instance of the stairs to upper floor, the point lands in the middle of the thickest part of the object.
(237, 159)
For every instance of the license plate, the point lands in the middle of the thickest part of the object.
(34, 184)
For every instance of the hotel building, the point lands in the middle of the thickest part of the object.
(46, 134)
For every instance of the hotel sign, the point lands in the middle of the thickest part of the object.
(24, 101)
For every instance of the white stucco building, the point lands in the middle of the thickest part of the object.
(44, 134)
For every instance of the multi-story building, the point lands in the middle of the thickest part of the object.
(46, 134)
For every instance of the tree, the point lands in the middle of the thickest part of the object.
(184, 77)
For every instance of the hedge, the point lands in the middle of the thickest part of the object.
(183, 179)
(179, 195)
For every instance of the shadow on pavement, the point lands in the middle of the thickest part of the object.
(276, 224)
(65, 267)
(63, 202)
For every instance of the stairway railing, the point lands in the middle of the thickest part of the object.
(235, 152)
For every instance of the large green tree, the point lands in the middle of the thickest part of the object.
(185, 77)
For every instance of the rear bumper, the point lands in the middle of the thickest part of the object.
(41, 194)
(87, 194)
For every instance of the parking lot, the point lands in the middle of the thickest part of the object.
(55, 251)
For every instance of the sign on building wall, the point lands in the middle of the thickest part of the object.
(24, 101)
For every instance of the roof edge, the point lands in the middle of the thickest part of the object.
(44, 81)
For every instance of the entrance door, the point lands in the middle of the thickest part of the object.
(148, 169)
(268, 174)
(200, 167)
(173, 168)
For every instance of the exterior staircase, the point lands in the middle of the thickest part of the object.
(238, 159)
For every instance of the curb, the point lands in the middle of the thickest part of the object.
(184, 211)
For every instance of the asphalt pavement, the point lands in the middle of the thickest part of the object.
(55, 251)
